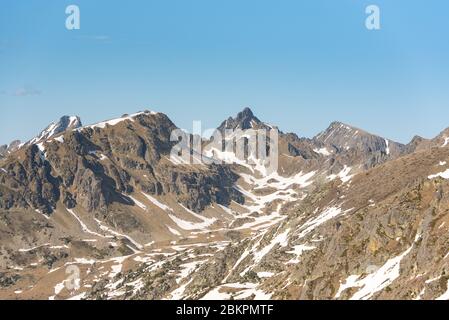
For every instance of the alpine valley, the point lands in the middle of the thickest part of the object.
(347, 215)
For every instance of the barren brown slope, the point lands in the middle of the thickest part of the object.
(108, 199)
(382, 235)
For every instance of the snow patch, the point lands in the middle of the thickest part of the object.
(313, 223)
(42, 153)
(265, 274)
(60, 139)
(116, 121)
(58, 288)
(117, 268)
(157, 203)
(83, 225)
(375, 281)
(187, 269)
(139, 204)
(298, 250)
(444, 175)
(188, 225)
(281, 239)
(343, 175)
(33, 248)
(446, 141)
(115, 233)
(174, 231)
(322, 151)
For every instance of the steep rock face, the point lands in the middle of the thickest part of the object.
(343, 218)
(295, 146)
(29, 183)
(366, 149)
(196, 189)
(95, 166)
(345, 137)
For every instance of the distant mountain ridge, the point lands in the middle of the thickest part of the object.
(338, 135)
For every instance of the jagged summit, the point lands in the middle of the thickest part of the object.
(55, 128)
(246, 112)
(244, 120)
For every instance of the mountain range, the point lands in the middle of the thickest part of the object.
(347, 215)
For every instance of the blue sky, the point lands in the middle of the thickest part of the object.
(297, 64)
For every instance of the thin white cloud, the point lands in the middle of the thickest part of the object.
(26, 91)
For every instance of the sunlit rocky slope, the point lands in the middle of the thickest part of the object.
(347, 215)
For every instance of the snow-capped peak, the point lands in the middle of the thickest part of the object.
(55, 128)
(113, 122)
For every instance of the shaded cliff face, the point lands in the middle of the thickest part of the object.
(348, 215)
(95, 166)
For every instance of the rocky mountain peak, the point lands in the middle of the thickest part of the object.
(247, 112)
(417, 138)
(345, 137)
(245, 119)
(65, 123)
(417, 143)
(53, 129)
(110, 192)
(338, 128)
